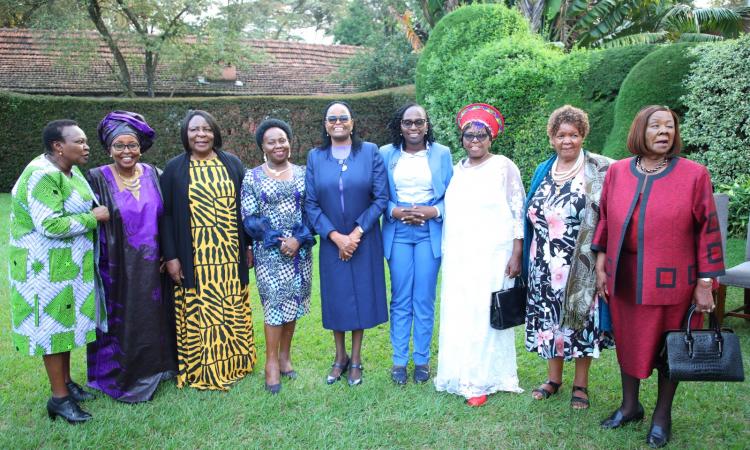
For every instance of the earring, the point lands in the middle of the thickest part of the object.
(59, 153)
(265, 158)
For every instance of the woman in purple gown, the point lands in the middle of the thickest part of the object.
(128, 362)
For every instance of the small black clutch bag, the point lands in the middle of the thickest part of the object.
(703, 355)
(508, 306)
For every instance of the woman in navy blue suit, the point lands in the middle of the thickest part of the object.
(418, 174)
(346, 192)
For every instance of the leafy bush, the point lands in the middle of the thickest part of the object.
(591, 80)
(454, 39)
(486, 53)
(24, 117)
(717, 123)
(656, 80)
(387, 61)
(739, 205)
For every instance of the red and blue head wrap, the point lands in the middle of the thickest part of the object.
(482, 114)
(117, 123)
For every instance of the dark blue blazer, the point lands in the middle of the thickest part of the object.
(441, 166)
(352, 292)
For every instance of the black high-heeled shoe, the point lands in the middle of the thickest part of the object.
(617, 419)
(68, 409)
(658, 436)
(77, 392)
(344, 367)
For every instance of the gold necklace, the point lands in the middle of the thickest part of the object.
(132, 184)
(276, 173)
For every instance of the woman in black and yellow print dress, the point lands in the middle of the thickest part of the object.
(205, 247)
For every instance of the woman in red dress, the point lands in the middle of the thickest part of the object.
(659, 248)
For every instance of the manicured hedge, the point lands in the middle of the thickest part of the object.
(486, 53)
(593, 85)
(658, 79)
(24, 116)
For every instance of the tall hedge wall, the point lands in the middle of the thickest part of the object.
(594, 84)
(658, 79)
(24, 116)
(486, 53)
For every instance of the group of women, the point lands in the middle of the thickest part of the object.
(89, 255)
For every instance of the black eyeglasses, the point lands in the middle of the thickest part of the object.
(342, 118)
(481, 137)
(120, 146)
(406, 123)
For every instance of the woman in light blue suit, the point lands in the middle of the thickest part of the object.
(418, 174)
(345, 195)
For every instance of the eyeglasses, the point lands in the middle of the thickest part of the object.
(333, 119)
(120, 146)
(406, 123)
(481, 137)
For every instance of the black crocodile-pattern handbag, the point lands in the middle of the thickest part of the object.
(702, 355)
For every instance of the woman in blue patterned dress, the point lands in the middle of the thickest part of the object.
(273, 197)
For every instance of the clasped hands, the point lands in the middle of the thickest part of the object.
(289, 246)
(347, 243)
(414, 215)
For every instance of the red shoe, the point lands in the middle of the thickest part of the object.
(477, 401)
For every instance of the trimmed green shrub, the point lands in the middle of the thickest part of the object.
(591, 80)
(24, 116)
(485, 53)
(455, 38)
(656, 80)
(717, 123)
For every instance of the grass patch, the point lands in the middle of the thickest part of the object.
(310, 414)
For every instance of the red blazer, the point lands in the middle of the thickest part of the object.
(679, 239)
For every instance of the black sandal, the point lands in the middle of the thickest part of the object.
(576, 400)
(544, 392)
(344, 367)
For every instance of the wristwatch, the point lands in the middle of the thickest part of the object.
(707, 280)
(361, 230)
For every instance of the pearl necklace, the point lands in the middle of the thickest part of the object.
(277, 173)
(639, 163)
(132, 184)
(561, 176)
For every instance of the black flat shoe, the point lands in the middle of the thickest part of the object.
(344, 367)
(68, 409)
(77, 392)
(421, 373)
(617, 419)
(273, 388)
(658, 436)
(398, 375)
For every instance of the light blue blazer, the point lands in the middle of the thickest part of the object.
(441, 166)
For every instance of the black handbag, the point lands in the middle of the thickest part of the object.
(702, 355)
(508, 306)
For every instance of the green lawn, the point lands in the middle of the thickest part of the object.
(308, 413)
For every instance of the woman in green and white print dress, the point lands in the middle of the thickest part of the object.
(53, 221)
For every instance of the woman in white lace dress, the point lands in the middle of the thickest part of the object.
(482, 247)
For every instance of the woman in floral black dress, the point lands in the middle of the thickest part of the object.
(562, 321)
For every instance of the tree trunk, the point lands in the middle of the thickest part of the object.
(151, 61)
(124, 76)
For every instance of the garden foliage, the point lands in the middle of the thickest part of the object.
(24, 117)
(480, 53)
(658, 79)
(717, 121)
